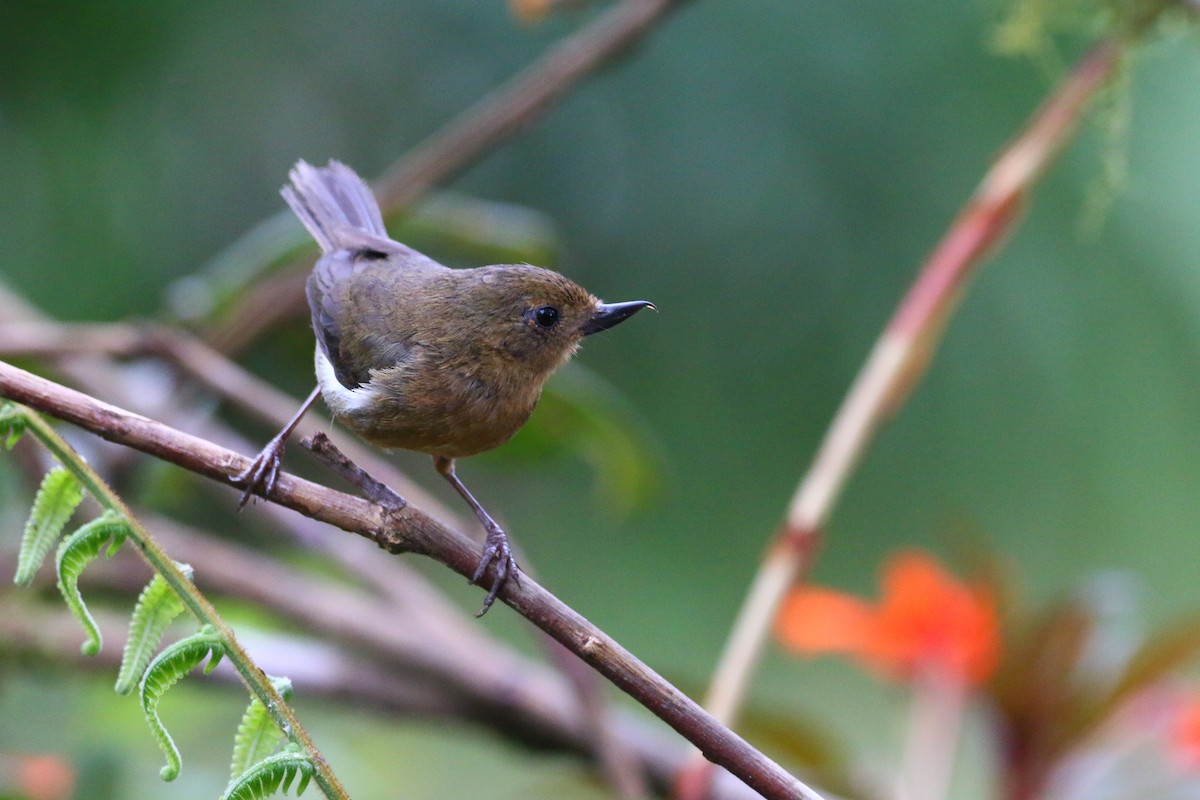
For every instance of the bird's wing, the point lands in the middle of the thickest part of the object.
(322, 294)
(337, 207)
(364, 286)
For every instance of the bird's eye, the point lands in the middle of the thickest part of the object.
(546, 316)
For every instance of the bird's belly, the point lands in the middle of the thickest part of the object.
(440, 421)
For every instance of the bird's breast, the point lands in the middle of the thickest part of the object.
(445, 409)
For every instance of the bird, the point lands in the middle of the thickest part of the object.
(413, 355)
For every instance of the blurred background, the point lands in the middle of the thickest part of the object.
(770, 174)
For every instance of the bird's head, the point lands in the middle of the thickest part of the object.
(537, 317)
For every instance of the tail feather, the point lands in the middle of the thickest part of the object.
(336, 206)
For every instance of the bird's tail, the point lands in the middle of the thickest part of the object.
(335, 205)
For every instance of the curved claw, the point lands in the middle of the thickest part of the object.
(262, 474)
(496, 550)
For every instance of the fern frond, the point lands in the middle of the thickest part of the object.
(55, 502)
(273, 774)
(257, 735)
(12, 424)
(76, 552)
(167, 668)
(156, 607)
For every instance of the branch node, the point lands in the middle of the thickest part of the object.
(374, 490)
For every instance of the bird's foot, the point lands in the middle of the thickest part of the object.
(496, 549)
(260, 477)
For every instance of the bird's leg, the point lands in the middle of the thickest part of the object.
(264, 469)
(495, 547)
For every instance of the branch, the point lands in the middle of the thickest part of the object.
(222, 376)
(894, 367)
(251, 675)
(33, 630)
(473, 133)
(515, 104)
(425, 609)
(410, 530)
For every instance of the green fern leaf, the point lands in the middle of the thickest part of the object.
(76, 552)
(257, 735)
(156, 607)
(167, 668)
(12, 424)
(56, 500)
(273, 774)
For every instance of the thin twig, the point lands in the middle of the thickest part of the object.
(504, 112)
(56, 340)
(620, 769)
(36, 630)
(499, 115)
(212, 369)
(148, 548)
(373, 490)
(409, 530)
(620, 762)
(931, 743)
(517, 103)
(896, 364)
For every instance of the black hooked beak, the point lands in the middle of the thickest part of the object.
(609, 314)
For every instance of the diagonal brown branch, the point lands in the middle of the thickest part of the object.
(410, 530)
(463, 140)
(32, 630)
(895, 365)
(506, 110)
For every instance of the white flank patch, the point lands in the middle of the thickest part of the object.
(340, 399)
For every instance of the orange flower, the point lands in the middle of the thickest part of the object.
(925, 620)
(1185, 733)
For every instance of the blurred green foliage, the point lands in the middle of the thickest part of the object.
(769, 174)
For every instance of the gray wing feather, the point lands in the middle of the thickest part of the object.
(338, 209)
(333, 203)
(320, 289)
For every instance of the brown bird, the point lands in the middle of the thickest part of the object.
(414, 355)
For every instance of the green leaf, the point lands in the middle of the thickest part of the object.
(258, 734)
(76, 552)
(12, 424)
(167, 668)
(157, 605)
(56, 500)
(273, 774)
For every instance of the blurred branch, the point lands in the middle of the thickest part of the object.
(209, 367)
(473, 133)
(406, 529)
(518, 102)
(450, 150)
(931, 742)
(250, 674)
(230, 381)
(34, 630)
(85, 352)
(405, 587)
(457, 670)
(896, 363)
(618, 759)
